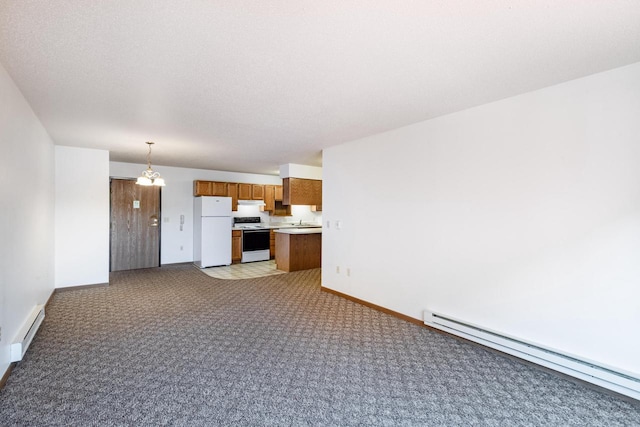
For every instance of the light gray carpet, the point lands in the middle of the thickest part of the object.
(173, 346)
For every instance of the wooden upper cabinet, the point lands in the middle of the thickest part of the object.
(269, 193)
(269, 198)
(244, 192)
(219, 189)
(202, 188)
(257, 192)
(300, 191)
(209, 188)
(281, 210)
(232, 191)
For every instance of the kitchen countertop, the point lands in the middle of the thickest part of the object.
(300, 230)
(284, 226)
(295, 225)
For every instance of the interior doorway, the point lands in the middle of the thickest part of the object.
(135, 225)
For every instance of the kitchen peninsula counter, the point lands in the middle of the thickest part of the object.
(298, 248)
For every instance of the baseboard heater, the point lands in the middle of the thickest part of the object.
(622, 382)
(26, 333)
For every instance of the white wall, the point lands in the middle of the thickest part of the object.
(26, 213)
(522, 216)
(81, 216)
(300, 171)
(177, 199)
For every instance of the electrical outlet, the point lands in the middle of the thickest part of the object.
(337, 269)
(348, 272)
(181, 247)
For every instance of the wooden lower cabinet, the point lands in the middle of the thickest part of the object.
(298, 251)
(272, 244)
(236, 246)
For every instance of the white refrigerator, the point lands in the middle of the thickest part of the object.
(211, 231)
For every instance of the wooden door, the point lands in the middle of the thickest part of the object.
(135, 225)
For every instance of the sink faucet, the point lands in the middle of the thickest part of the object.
(300, 222)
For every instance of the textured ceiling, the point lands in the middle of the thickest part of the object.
(250, 85)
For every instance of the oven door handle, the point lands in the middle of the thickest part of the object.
(255, 231)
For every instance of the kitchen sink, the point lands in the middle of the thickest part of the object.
(303, 225)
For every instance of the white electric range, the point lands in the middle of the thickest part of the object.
(255, 238)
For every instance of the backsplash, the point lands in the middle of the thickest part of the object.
(298, 213)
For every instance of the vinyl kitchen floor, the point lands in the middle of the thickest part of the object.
(247, 270)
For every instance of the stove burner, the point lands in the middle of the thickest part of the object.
(248, 222)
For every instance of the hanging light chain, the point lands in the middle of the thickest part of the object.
(149, 155)
(149, 177)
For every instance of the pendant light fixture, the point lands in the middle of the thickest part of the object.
(149, 177)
